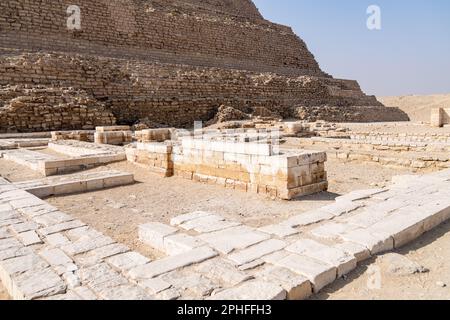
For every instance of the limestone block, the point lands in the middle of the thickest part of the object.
(52, 218)
(253, 290)
(367, 218)
(279, 230)
(32, 212)
(29, 238)
(318, 273)
(308, 218)
(112, 128)
(14, 251)
(190, 283)
(85, 293)
(165, 265)
(58, 260)
(57, 240)
(17, 265)
(225, 241)
(5, 233)
(208, 224)
(360, 252)
(332, 230)
(222, 271)
(180, 243)
(86, 243)
(126, 291)
(360, 194)
(341, 207)
(30, 201)
(158, 135)
(61, 227)
(257, 251)
(296, 286)
(375, 243)
(343, 262)
(126, 261)
(189, 216)
(153, 234)
(99, 254)
(23, 227)
(155, 286)
(37, 284)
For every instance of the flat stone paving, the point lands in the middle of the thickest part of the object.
(8, 144)
(76, 156)
(75, 183)
(46, 254)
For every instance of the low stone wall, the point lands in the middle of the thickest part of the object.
(403, 137)
(250, 167)
(156, 157)
(79, 135)
(115, 135)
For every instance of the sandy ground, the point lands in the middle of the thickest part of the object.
(417, 107)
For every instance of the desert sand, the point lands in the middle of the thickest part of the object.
(417, 107)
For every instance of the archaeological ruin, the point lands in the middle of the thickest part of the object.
(174, 62)
(193, 150)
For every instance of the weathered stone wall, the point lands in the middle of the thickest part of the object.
(178, 95)
(41, 108)
(250, 167)
(158, 30)
(170, 61)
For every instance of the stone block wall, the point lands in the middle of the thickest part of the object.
(178, 95)
(115, 135)
(45, 108)
(250, 167)
(171, 61)
(167, 30)
(153, 156)
(79, 135)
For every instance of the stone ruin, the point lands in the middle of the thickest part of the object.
(246, 161)
(173, 62)
(72, 101)
(440, 117)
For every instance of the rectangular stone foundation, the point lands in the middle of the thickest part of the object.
(250, 167)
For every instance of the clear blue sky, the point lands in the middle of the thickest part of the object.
(409, 55)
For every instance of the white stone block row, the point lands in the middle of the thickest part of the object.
(235, 238)
(335, 257)
(228, 147)
(253, 290)
(165, 265)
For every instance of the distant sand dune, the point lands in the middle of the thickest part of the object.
(417, 107)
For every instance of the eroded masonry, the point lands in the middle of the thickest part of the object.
(168, 62)
(179, 150)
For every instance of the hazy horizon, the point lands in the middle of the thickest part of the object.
(408, 56)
